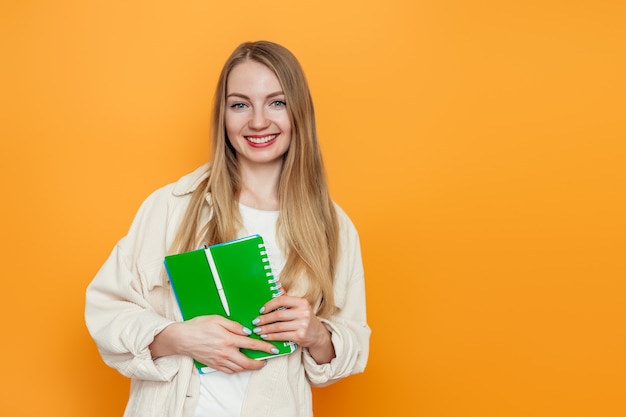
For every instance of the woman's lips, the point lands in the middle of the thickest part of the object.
(261, 139)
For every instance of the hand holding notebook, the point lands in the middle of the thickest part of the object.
(232, 279)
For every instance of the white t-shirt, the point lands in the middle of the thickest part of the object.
(221, 395)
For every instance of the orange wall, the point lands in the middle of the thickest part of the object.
(478, 146)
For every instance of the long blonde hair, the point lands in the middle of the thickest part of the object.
(307, 225)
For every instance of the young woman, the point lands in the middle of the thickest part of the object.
(266, 177)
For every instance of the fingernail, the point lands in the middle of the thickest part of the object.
(256, 321)
(263, 336)
(275, 351)
(257, 330)
(247, 331)
(262, 310)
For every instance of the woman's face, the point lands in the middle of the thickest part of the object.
(256, 117)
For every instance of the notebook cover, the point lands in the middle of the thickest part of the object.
(246, 277)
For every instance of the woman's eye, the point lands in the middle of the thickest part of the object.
(237, 106)
(279, 103)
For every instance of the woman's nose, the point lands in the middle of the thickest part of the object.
(259, 120)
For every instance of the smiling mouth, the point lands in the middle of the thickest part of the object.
(260, 139)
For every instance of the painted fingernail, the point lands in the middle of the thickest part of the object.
(275, 351)
(256, 321)
(262, 310)
(247, 331)
(257, 330)
(263, 336)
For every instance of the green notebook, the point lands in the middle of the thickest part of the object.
(243, 269)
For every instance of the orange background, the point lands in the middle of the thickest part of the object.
(479, 147)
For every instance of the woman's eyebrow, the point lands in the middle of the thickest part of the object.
(240, 95)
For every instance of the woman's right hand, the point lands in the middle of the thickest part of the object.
(212, 340)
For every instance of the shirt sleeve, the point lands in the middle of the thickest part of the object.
(349, 330)
(126, 302)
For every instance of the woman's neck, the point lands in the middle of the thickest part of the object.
(260, 186)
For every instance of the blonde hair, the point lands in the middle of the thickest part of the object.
(307, 225)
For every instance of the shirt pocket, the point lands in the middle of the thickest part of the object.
(156, 288)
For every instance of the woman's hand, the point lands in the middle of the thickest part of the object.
(292, 318)
(212, 340)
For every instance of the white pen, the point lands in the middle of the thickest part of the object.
(217, 280)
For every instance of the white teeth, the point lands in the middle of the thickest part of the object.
(264, 139)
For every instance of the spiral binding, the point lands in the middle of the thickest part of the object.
(275, 286)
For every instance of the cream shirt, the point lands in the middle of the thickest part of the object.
(129, 301)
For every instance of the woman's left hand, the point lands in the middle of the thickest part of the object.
(292, 318)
